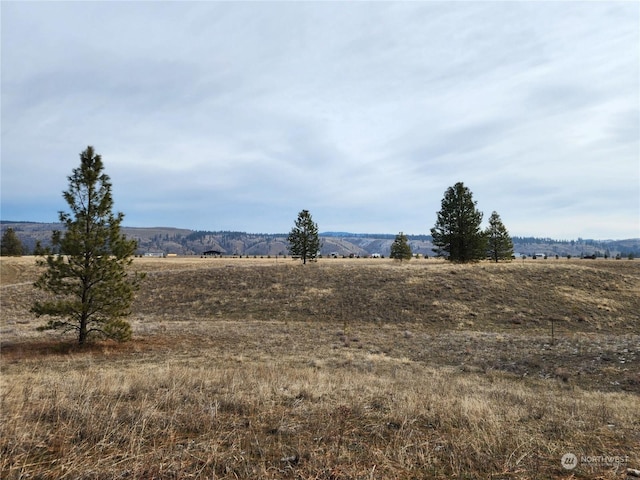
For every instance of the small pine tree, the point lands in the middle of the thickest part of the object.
(39, 249)
(499, 243)
(303, 239)
(457, 234)
(88, 283)
(10, 244)
(400, 248)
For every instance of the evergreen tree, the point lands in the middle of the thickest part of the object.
(303, 239)
(88, 283)
(400, 248)
(10, 244)
(457, 234)
(38, 249)
(499, 243)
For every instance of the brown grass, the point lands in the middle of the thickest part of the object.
(340, 369)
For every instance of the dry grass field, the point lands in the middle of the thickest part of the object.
(341, 369)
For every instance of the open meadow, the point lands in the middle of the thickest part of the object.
(340, 369)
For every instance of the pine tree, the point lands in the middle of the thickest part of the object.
(10, 244)
(457, 234)
(303, 239)
(88, 283)
(400, 248)
(499, 243)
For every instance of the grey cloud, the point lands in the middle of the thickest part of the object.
(625, 128)
(550, 99)
(364, 113)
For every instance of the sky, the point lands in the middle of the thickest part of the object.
(238, 115)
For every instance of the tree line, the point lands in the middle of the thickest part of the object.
(457, 234)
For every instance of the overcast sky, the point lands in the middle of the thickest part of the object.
(237, 115)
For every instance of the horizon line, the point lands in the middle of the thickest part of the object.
(331, 232)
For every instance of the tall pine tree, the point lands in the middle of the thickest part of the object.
(457, 234)
(89, 286)
(400, 248)
(499, 243)
(303, 239)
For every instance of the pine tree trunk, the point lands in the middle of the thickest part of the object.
(82, 336)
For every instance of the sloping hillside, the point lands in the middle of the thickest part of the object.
(167, 240)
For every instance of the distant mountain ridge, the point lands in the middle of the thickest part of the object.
(166, 240)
